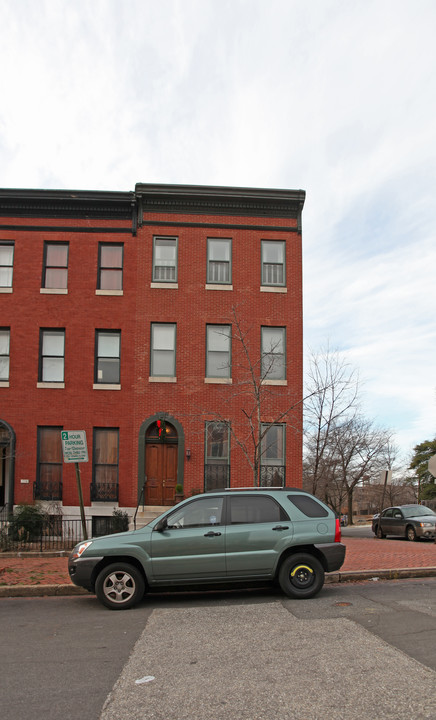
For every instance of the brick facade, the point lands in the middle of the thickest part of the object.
(184, 402)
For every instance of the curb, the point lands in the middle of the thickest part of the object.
(330, 579)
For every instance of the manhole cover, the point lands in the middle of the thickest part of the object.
(342, 604)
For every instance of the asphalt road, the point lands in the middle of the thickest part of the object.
(366, 648)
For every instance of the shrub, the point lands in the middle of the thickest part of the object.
(120, 521)
(27, 522)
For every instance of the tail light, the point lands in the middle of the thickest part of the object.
(338, 531)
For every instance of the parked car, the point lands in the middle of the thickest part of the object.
(245, 536)
(410, 521)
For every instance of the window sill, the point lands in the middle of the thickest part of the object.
(106, 386)
(54, 385)
(218, 381)
(163, 379)
(53, 291)
(109, 292)
(5, 289)
(165, 285)
(210, 286)
(273, 289)
(275, 382)
(4, 383)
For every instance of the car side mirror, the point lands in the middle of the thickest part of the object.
(161, 525)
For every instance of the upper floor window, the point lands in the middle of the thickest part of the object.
(107, 356)
(6, 264)
(164, 259)
(272, 460)
(52, 355)
(110, 266)
(55, 270)
(273, 353)
(163, 350)
(4, 354)
(273, 262)
(219, 252)
(218, 362)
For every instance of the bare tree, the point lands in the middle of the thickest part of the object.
(332, 390)
(259, 399)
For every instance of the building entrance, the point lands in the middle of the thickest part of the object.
(161, 448)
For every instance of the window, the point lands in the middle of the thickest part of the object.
(253, 509)
(163, 350)
(105, 465)
(55, 271)
(48, 485)
(164, 259)
(4, 354)
(308, 506)
(219, 269)
(273, 262)
(108, 353)
(110, 267)
(273, 353)
(272, 460)
(218, 351)
(217, 456)
(6, 264)
(52, 356)
(198, 513)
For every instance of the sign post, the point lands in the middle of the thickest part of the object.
(75, 450)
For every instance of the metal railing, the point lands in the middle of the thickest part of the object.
(55, 533)
(216, 477)
(104, 492)
(47, 490)
(141, 498)
(272, 476)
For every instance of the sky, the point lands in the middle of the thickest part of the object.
(336, 97)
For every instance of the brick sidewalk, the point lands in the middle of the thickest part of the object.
(362, 554)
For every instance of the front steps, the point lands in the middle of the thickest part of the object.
(146, 514)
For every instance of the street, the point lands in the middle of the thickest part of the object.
(62, 656)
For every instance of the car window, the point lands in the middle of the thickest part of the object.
(388, 513)
(417, 511)
(308, 506)
(199, 513)
(397, 514)
(250, 509)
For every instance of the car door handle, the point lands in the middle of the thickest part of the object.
(281, 527)
(211, 533)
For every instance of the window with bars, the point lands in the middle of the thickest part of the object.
(219, 269)
(273, 262)
(217, 456)
(164, 259)
(272, 459)
(105, 460)
(48, 485)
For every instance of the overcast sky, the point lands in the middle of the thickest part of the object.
(337, 97)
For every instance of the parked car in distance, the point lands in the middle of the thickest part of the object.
(219, 539)
(410, 521)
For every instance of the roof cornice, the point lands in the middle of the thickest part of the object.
(66, 203)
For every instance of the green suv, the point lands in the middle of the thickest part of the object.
(230, 537)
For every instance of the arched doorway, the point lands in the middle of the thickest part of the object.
(7, 453)
(161, 460)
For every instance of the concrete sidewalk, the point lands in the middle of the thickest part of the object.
(40, 574)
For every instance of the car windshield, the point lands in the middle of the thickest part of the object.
(417, 511)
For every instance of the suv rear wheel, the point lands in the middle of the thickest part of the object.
(120, 586)
(301, 576)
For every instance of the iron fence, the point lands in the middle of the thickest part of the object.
(55, 533)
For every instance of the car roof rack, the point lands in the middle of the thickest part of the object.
(273, 487)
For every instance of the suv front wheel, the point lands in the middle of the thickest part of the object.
(301, 576)
(120, 586)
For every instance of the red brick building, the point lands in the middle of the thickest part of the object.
(167, 324)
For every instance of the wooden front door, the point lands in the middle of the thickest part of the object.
(160, 470)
